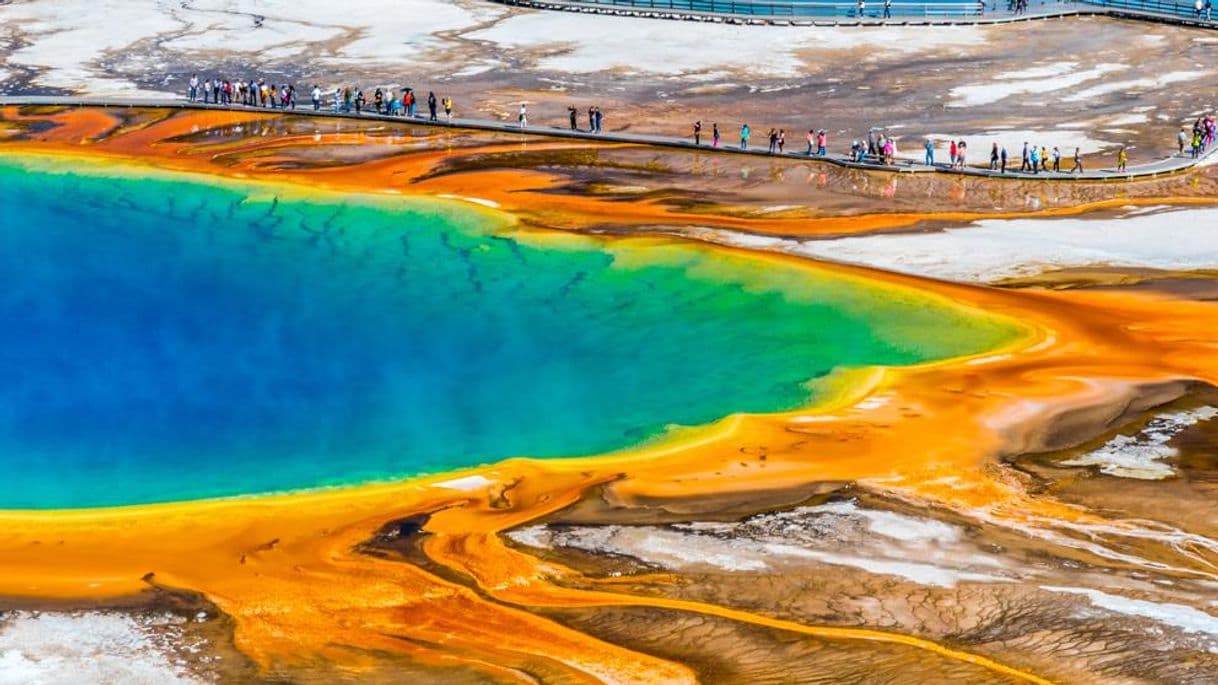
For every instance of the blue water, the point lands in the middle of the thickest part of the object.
(169, 338)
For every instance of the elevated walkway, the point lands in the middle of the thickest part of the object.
(1163, 167)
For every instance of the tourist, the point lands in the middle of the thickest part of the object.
(378, 100)
(888, 9)
(448, 108)
(591, 119)
(822, 143)
(930, 152)
(994, 157)
(961, 151)
(431, 105)
(698, 132)
(573, 114)
(206, 91)
(1181, 139)
(194, 87)
(1002, 168)
(1057, 160)
(1034, 158)
(773, 141)
(600, 120)
(215, 91)
(1044, 158)
(811, 141)
(1122, 158)
(715, 134)
(782, 140)
(951, 152)
(862, 8)
(1198, 5)
(1026, 164)
(1196, 144)
(890, 151)
(338, 99)
(1078, 162)
(347, 98)
(412, 103)
(523, 117)
(359, 101)
(744, 137)
(316, 94)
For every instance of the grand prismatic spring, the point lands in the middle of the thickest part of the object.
(300, 399)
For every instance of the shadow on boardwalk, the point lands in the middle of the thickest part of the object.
(1164, 167)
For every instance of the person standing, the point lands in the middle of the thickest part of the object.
(822, 143)
(1181, 139)
(523, 117)
(573, 114)
(961, 150)
(951, 150)
(1002, 158)
(600, 120)
(1044, 158)
(1057, 160)
(698, 132)
(316, 97)
(1122, 159)
(215, 91)
(378, 100)
(591, 119)
(715, 134)
(206, 90)
(1078, 162)
(888, 9)
(1026, 164)
(811, 142)
(1035, 159)
(431, 105)
(861, 8)
(744, 137)
(448, 109)
(194, 87)
(994, 157)
(773, 141)
(930, 152)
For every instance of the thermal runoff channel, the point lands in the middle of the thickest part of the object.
(173, 336)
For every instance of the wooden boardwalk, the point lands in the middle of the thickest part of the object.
(1163, 167)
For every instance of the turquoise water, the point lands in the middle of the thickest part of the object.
(170, 337)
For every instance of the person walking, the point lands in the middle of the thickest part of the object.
(1057, 160)
(1002, 158)
(951, 153)
(744, 137)
(811, 141)
(1181, 139)
(1197, 7)
(206, 90)
(1044, 158)
(782, 140)
(600, 120)
(715, 135)
(822, 143)
(1122, 159)
(994, 157)
(194, 87)
(591, 119)
(1078, 162)
(861, 8)
(698, 132)
(431, 105)
(316, 95)
(573, 114)
(1025, 165)
(523, 117)
(930, 152)
(1035, 159)
(448, 108)
(773, 136)
(961, 151)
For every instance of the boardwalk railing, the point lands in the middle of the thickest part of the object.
(873, 11)
(799, 8)
(1182, 10)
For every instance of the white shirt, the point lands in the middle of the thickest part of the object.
(316, 93)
